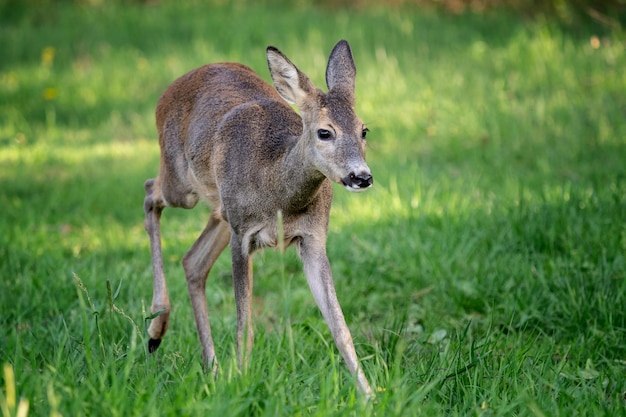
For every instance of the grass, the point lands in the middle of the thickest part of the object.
(484, 274)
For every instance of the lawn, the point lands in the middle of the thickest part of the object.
(483, 274)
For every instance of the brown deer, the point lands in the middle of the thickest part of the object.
(229, 138)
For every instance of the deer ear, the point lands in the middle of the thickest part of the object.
(291, 84)
(341, 71)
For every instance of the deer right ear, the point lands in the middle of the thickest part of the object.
(341, 71)
(292, 85)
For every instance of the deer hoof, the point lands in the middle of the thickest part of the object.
(153, 344)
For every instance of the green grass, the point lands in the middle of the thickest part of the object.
(484, 274)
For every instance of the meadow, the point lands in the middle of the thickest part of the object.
(483, 274)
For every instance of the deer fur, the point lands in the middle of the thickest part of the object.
(229, 138)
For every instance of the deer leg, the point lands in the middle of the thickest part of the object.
(197, 263)
(242, 282)
(319, 277)
(153, 207)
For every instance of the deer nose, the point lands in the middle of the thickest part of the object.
(360, 182)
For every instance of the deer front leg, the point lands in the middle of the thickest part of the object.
(242, 282)
(319, 277)
(153, 207)
(197, 263)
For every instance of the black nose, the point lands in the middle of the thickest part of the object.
(363, 181)
(358, 181)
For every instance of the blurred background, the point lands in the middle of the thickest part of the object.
(484, 273)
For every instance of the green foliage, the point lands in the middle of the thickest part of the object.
(484, 274)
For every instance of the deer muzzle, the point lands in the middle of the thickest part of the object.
(358, 182)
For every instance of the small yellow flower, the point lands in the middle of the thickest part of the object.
(10, 81)
(381, 389)
(10, 402)
(50, 93)
(47, 56)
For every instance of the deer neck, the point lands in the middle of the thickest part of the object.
(301, 179)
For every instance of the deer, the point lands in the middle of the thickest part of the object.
(228, 138)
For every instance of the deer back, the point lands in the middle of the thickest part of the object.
(207, 110)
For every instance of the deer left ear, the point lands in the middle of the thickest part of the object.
(292, 85)
(341, 71)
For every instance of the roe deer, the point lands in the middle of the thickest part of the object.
(229, 138)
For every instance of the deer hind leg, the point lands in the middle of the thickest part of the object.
(153, 207)
(197, 263)
(166, 190)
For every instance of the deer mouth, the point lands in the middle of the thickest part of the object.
(357, 183)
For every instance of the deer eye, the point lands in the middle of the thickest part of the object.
(324, 134)
(364, 132)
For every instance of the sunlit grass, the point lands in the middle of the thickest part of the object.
(482, 274)
(73, 156)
